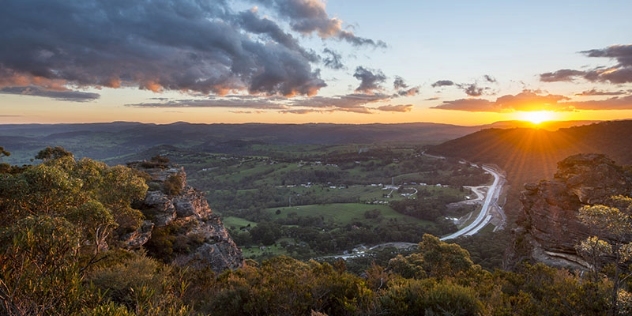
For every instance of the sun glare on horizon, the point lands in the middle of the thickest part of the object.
(537, 117)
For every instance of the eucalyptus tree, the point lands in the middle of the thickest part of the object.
(612, 224)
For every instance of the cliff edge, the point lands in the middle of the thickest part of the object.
(551, 207)
(179, 222)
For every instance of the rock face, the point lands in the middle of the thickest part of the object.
(170, 201)
(551, 207)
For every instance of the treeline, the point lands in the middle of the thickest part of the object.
(312, 236)
(427, 206)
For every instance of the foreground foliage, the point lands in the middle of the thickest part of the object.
(61, 222)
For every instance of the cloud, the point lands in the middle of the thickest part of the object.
(333, 60)
(399, 83)
(302, 111)
(203, 47)
(615, 103)
(247, 112)
(472, 90)
(527, 100)
(396, 108)
(234, 101)
(370, 80)
(622, 53)
(442, 83)
(310, 16)
(64, 95)
(489, 79)
(356, 103)
(561, 75)
(595, 92)
(251, 22)
(402, 88)
(618, 74)
(347, 103)
(408, 92)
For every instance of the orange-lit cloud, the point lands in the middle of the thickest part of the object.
(533, 101)
(396, 108)
(595, 92)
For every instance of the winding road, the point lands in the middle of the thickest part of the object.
(483, 218)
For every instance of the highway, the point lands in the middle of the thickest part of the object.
(484, 216)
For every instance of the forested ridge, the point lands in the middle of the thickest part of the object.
(60, 254)
(529, 154)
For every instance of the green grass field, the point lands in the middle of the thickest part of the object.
(343, 213)
(231, 221)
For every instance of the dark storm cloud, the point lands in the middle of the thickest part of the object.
(396, 108)
(618, 74)
(310, 16)
(333, 59)
(595, 92)
(64, 95)
(183, 45)
(254, 24)
(370, 80)
(443, 83)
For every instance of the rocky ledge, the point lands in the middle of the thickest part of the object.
(551, 207)
(171, 202)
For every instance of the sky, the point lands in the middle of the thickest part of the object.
(314, 61)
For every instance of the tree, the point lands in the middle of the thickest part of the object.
(612, 223)
(55, 221)
(39, 271)
(51, 153)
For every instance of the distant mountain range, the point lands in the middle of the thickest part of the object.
(115, 141)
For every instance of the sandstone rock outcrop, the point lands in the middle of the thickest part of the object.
(551, 207)
(170, 201)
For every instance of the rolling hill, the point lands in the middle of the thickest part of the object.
(529, 155)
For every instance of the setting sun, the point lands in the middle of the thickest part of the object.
(537, 117)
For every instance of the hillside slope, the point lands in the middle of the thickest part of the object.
(529, 155)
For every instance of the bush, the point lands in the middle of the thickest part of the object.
(173, 185)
